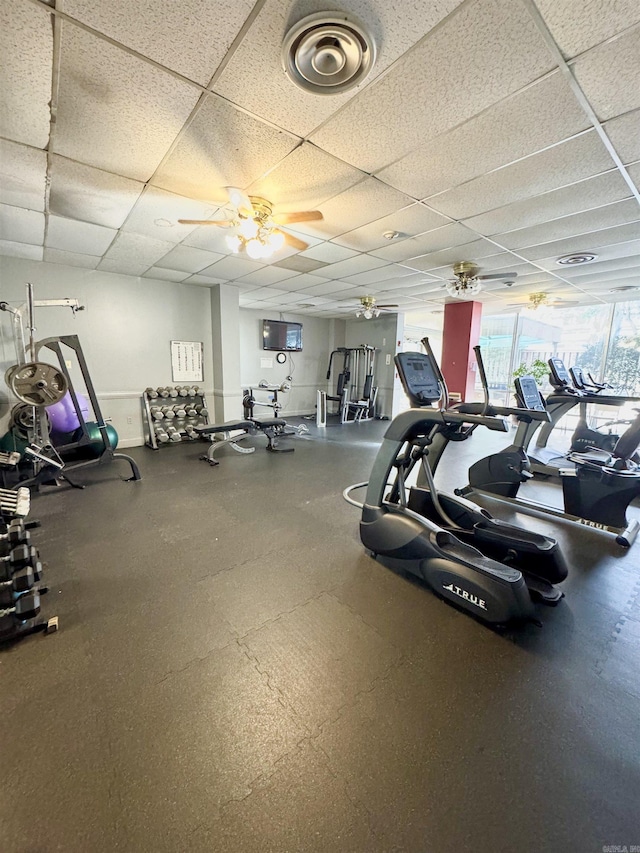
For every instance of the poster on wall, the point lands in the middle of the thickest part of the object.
(186, 361)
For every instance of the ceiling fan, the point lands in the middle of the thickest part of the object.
(256, 226)
(370, 308)
(467, 282)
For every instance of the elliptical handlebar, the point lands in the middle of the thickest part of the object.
(439, 376)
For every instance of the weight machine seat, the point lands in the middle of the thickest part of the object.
(266, 423)
(228, 426)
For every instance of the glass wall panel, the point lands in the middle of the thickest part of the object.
(622, 365)
(496, 341)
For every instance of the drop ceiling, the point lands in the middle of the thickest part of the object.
(505, 132)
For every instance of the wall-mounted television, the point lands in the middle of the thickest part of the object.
(281, 336)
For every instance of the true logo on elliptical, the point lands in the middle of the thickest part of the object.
(588, 523)
(466, 596)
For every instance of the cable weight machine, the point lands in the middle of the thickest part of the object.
(355, 395)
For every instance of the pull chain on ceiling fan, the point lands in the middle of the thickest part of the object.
(256, 226)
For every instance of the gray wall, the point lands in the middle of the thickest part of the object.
(124, 330)
(308, 368)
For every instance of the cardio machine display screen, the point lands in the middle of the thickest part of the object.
(418, 377)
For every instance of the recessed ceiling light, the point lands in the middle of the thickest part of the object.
(164, 223)
(624, 289)
(579, 258)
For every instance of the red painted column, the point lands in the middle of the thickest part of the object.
(460, 334)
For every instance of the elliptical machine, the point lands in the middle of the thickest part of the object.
(432, 535)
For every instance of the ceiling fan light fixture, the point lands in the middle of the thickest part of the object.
(234, 243)
(463, 289)
(248, 228)
(275, 240)
(538, 299)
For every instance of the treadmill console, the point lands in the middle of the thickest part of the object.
(559, 376)
(418, 378)
(528, 394)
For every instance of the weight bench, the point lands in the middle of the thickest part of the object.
(272, 428)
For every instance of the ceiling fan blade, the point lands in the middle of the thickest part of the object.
(299, 216)
(509, 276)
(240, 201)
(293, 241)
(223, 223)
(387, 306)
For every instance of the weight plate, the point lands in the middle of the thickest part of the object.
(37, 383)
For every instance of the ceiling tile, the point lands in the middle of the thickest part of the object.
(624, 133)
(602, 267)
(584, 242)
(23, 173)
(26, 47)
(71, 259)
(382, 274)
(622, 275)
(18, 225)
(221, 147)
(254, 78)
(412, 220)
(298, 263)
(266, 276)
(188, 259)
(581, 157)
(20, 250)
(121, 265)
(162, 274)
(81, 237)
(91, 195)
(208, 237)
(634, 174)
(467, 251)
(232, 267)
(576, 26)
(116, 112)
(617, 213)
(431, 89)
(528, 121)
(353, 266)
(202, 280)
(300, 282)
(611, 251)
(137, 250)
(328, 252)
(157, 212)
(305, 179)
(609, 75)
(325, 288)
(432, 241)
(584, 195)
(190, 37)
(359, 205)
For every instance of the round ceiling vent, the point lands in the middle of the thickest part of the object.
(579, 258)
(327, 53)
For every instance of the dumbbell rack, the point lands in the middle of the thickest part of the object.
(154, 400)
(20, 571)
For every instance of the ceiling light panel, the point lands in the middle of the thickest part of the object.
(619, 213)
(609, 75)
(82, 237)
(412, 220)
(189, 37)
(108, 98)
(221, 147)
(576, 26)
(584, 195)
(89, 194)
(501, 134)
(21, 226)
(581, 157)
(26, 47)
(435, 86)
(23, 172)
(254, 77)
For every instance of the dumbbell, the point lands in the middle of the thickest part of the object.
(163, 392)
(168, 412)
(15, 535)
(200, 409)
(161, 435)
(151, 393)
(183, 390)
(21, 555)
(25, 607)
(180, 411)
(191, 412)
(192, 390)
(173, 434)
(173, 392)
(191, 433)
(156, 413)
(21, 581)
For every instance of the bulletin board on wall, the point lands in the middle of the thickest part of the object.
(186, 361)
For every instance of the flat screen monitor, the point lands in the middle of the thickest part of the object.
(281, 336)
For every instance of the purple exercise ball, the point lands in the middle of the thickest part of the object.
(63, 416)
